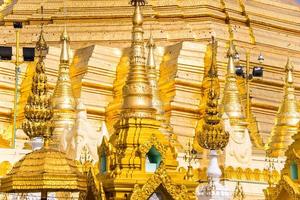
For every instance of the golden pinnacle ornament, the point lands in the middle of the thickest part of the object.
(38, 110)
(211, 134)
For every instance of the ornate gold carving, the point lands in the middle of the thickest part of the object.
(285, 184)
(210, 131)
(153, 141)
(38, 110)
(160, 177)
(240, 174)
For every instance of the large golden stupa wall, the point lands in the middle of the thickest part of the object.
(100, 33)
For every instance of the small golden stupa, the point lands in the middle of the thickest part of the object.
(139, 161)
(286, 123)
(63, 101)
(288, 186)
(44, 170)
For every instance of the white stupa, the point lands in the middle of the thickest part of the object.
(214, 190)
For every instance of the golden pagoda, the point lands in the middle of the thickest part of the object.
(286, 123)
(288, 186)
(234, 119)
(47, 169)
(231, 98)
(101, 38)
(139, 162)
(63, 101)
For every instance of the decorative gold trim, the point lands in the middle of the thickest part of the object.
(160, 177)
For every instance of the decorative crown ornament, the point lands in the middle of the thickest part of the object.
(138, 2)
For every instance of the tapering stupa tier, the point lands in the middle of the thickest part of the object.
(153, 79)
(63, 101)
(137, 91)
(231, 96)
(288, 115)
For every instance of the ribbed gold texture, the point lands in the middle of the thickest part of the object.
(38, 110)
(287, 117)
(63, 99)
(44, 170)
(137, 91)
(231, 96)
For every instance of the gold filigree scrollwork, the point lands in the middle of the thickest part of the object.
(144, 148)
(160, 178)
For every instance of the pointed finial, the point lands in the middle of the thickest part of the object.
(151, 46)
(65, 39)
(231, 55)
(213, 67)
(289, 68)
(41, 47)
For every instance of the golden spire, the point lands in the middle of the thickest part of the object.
(63, 98)
(41, 48)
(213, 72)
(63, 101)
(287, 117)
(151, 70)
(38, 110)
(210, 81)
(65, 39)
(137, 91)
(231, 96)
(211, 133)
